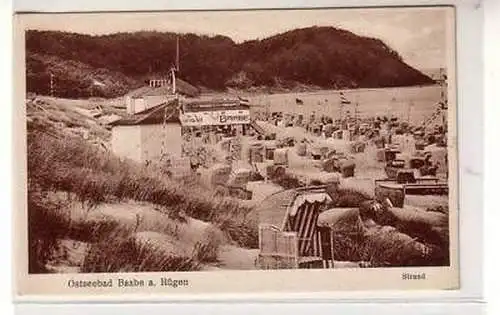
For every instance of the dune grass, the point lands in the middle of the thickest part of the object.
(347, 198)
(62, 114)
(385, 250)
(93, 176)
(73, 166)
(43, 230)
(123, 254)
(389, 247)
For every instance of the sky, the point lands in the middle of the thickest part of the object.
(420, 35)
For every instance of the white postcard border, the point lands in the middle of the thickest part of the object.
(467, 172)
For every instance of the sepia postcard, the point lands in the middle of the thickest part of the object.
(240, 151)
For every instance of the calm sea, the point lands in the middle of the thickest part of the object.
(413, 103)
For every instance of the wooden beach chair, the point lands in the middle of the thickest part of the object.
(296, 243)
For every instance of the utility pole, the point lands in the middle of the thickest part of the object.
(356, 110)
(410, 105)
(391, 108)
(174, 90)
(341, 114)
(51, 84)
(177, 61)
(176, 96)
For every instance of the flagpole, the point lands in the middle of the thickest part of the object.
(410, 105)
(177, 54)
(51, 84)
(341, 111)
(356, 111)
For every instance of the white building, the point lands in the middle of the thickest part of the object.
(156, 93)
(147, 97)
(147, 135)
(144, 136)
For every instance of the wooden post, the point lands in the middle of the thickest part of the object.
(315, 244)
(261, 237)
(51, 84)
(320, 243)
(296, 252)
(174, 90)
(332, 247)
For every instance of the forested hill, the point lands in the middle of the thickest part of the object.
(322, 57)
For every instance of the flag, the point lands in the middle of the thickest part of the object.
(243, 101)
(343, 99)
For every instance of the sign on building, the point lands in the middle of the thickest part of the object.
(215, 118)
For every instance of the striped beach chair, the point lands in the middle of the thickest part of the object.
(298, 211)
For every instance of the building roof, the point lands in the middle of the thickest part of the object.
(150, 91)
(214, 105)
(182, 87)
(186, 89)
(153, 115)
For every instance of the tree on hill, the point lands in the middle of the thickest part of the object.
(326, 57)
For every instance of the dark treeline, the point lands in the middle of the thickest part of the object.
(324, 57)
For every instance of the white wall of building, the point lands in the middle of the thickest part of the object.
(139, 104)
(144, 142)
(151, 140)
(129, 104)
(154, 100)
(126, 142)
